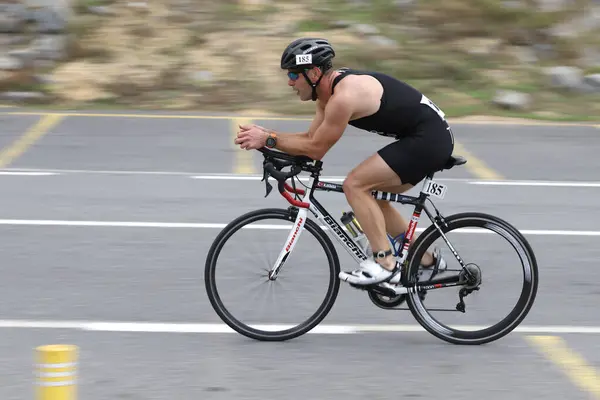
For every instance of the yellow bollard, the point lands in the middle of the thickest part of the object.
(56, 372)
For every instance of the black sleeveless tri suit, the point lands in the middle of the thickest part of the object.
(424, 138)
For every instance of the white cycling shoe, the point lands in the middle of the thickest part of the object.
(370, 272)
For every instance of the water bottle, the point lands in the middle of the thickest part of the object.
(355, 231)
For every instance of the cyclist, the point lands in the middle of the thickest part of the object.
(377, 103)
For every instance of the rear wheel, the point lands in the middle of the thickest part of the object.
(489, 229)
(281, 221)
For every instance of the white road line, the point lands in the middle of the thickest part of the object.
(23, 173)
(340, 179)
(124, 224)
(335, 329)
(258, 177)
(200, 225)
(536, 183)
(100, 172)
(234, 177)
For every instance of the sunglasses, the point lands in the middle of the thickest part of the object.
(293, 75)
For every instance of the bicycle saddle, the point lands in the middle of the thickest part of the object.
(454, 161)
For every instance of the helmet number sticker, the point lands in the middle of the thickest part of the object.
(304, 59)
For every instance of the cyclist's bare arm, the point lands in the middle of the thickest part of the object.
(317, 143)
(314, 125)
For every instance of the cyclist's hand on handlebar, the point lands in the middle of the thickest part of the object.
(251, 137)
(250, 126)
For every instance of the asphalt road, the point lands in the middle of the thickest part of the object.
(108, 219)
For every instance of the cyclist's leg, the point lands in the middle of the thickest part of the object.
(395, 224)
(371, 174)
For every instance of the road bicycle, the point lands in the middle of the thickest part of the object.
(410, 289)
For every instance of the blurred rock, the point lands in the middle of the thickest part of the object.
(365, 29)
(382, 41)
(51, 47)
(103, 11)
(570, 78)
(544, 51)
(479, 46)
(43, 79)
(27, 97)
(405, 4)
(26, 57)
(582, 24)
(592, 82)
(49, 20)
(524, 54)
(12, 18)
(513, 4)
(552, 5)
(512, 100)
(341, 24)
(138, 5)
(202, 76)
(10, 63)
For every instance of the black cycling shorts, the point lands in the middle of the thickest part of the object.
(425, 150)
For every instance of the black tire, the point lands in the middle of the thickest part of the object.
(524, 303)
(211, 263)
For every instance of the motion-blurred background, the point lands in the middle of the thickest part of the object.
(537, 58)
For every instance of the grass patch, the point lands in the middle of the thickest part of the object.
(592, 70)
(311, 25)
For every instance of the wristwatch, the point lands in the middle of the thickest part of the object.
(271, 140)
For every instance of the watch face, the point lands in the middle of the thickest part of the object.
(270, 142)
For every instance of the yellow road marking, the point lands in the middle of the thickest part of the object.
(31, 136)
(243, 158)
(572, 364)
(475, 165)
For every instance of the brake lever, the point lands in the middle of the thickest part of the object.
(268, 186)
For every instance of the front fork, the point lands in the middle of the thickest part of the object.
(290, 243)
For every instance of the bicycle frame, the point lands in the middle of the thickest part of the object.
(312, 204)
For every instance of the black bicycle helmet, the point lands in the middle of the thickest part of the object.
(318, 52)
(305, 53)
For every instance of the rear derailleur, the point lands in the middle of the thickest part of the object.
(462, 293)
(472, 277)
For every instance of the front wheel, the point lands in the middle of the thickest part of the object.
(251, 235)
(467, 237)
